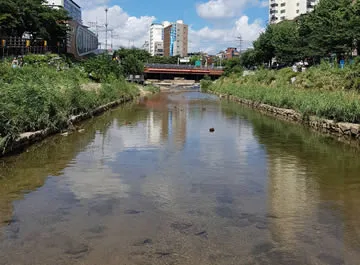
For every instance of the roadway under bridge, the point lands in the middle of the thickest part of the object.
(188, 72)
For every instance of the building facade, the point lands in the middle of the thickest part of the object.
(281, 10)
(73, 9)
(159, 48)
(231, 52)
(156, 37)
(80, 40)
(176, 39)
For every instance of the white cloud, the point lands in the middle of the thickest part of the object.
(212, 40)
(127, 30)
(220, 9)
(130, 30)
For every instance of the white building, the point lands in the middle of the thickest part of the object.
(156, 37)
(281, 10)
(73, 9)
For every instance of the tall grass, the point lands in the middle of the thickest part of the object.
(320, 91)
(36, 97)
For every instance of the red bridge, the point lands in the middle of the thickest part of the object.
(164, 71)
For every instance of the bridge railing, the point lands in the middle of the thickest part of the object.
(180, 66)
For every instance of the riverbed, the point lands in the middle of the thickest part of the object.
(148, 183)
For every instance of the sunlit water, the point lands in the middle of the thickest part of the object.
(149, 184)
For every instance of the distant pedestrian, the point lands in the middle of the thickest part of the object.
(342, 63)
(14, 63)
(21, 62)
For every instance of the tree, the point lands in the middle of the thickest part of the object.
(232, 66)
(328, 29)
(131, 65)
(248, 59)
(264, 48)
(286, 42)
(100, 67)
(34, 17)
(138, 54)
(164, 59)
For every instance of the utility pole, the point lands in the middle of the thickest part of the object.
(106, 27)
(240, 39)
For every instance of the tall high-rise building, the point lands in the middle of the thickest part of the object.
(176, 39)
(156, 39)
(73, 8)
(281, 10)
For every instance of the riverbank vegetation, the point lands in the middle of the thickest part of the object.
(321, 39)
(43, 95)
(331, 31)
(323, 90)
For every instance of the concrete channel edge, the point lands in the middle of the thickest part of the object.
(28, 138)
(343, 131)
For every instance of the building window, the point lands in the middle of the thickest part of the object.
(297, 11)
(283, 4)
(282, 11)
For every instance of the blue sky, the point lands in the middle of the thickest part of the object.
(214, 24)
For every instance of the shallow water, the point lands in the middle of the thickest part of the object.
(148, 183)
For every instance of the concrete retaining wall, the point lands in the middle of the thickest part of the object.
(345, 132)
(28, 138)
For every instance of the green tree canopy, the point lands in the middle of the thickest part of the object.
(131, 65)
(332, 28)
(232, 65)
(249, 58)
(138, 54)
(33, 17)
(286, 42)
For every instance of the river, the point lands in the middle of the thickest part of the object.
(147, 183)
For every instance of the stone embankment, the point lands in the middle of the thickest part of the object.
(28, 138)
(346, 132)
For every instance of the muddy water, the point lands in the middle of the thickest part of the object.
(149, 184)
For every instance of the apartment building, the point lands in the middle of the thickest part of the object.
(156, 39)
(176, 39)
(281, 10)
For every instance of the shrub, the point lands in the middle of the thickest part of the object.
(36, 97)
(318, 91)
(101, 67)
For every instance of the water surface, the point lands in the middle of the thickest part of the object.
(148, 184)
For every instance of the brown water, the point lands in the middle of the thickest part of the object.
(149, 184)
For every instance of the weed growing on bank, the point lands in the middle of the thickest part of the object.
(39, 96)
(323, 91)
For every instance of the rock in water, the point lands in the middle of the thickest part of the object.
(211, 130)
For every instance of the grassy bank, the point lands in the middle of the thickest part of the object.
(39, 96)
(323, 91)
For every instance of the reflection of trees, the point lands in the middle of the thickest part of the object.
(306, 168)
(29, 170)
